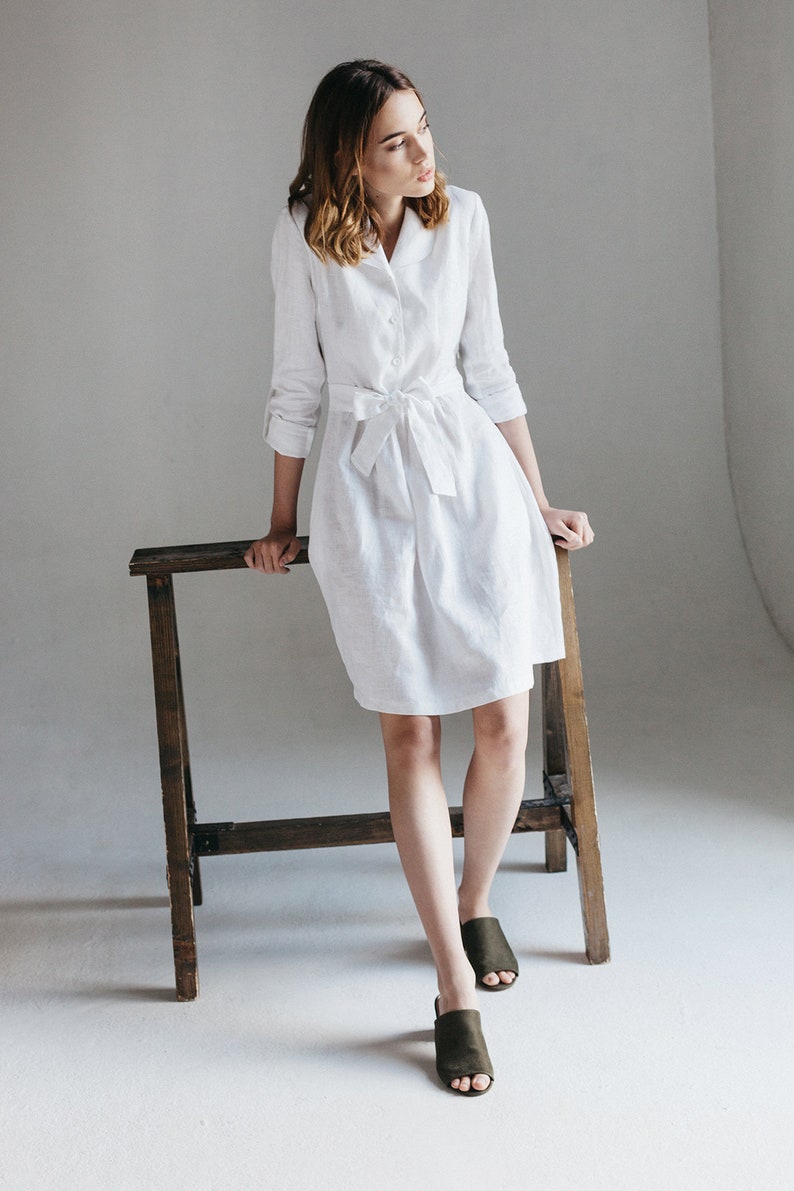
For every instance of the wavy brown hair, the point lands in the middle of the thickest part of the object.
(342, 225)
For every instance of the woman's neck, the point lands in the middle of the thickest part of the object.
(391, 211)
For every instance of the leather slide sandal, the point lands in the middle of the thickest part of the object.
(488, 951)
(461, 1049)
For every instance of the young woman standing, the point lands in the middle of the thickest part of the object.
(430, 534)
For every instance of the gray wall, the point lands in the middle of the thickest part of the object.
(148, 149)
(753, 85)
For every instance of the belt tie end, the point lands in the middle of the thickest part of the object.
(382, 414)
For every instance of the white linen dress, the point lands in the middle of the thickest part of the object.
(435, 564)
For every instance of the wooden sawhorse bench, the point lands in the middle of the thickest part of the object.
(565, 813)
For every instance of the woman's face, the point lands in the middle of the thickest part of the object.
(398, 158)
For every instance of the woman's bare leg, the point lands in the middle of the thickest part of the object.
(420, 820)
(491, 798)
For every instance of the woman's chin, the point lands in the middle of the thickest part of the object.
(423, 189)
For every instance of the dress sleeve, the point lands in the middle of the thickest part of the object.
(293, 408)
(489, 379)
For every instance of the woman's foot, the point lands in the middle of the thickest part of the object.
(463, 998)
(500, 977)
(494, 979)
(458, 1030)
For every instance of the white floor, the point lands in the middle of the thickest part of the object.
(307, 1060)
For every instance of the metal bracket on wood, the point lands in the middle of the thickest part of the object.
(558, 793)
(569, 830)
(557, 788)
(205, 840)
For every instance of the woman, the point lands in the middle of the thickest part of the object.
(431, 535)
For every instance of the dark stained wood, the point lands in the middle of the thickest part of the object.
(215, 556)
(554, 757)
(569, 785)
(580, 776)
(173, 750)
(187, 781)
(336, 831)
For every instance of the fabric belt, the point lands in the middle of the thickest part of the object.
(382, 411)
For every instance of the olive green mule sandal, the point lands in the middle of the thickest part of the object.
(488, 951)
(461, 1049)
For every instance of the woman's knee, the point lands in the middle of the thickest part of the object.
(500, 730)
(411, 741)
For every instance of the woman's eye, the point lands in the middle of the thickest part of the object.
(401, 144)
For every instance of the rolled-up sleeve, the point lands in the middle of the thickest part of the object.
(293, 407)
(488, 376)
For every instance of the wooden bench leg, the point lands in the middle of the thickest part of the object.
(175, 778)
(554, 757)
(195, 871)
(580, 777)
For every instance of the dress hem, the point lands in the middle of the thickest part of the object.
(467, 705)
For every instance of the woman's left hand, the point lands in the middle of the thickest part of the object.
(570, 530)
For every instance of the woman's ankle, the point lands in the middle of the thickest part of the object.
(476, 906)
(457, 990)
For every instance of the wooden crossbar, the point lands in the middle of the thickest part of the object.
(342, 831)
(214, 556)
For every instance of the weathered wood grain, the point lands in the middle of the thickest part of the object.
(553, 756)
(580, 776)
(335, 831)
(173, 768)
(214, 556)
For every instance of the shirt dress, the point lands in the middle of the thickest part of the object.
(434, 561)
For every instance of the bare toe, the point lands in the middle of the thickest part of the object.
(481, 1082)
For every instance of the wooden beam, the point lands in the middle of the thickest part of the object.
(214, 556)
(336, 831)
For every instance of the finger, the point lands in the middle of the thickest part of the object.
(567, 537)
(586, 531)
(263, 562)
(287, 554)
(255, 555)
(578, 522)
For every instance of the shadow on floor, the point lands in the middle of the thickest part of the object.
(412, 1049)
(57, 905)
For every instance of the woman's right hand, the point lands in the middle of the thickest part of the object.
(272, 553)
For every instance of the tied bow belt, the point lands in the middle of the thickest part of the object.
(381, 412)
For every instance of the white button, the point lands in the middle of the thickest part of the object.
(394, 318)
(396, 361)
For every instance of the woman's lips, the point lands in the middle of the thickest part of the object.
(427, 175)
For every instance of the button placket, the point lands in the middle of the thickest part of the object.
(396, 321)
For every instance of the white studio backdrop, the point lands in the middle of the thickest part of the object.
(148, 148)
(753, 89)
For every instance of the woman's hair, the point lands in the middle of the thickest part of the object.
(342, 225)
